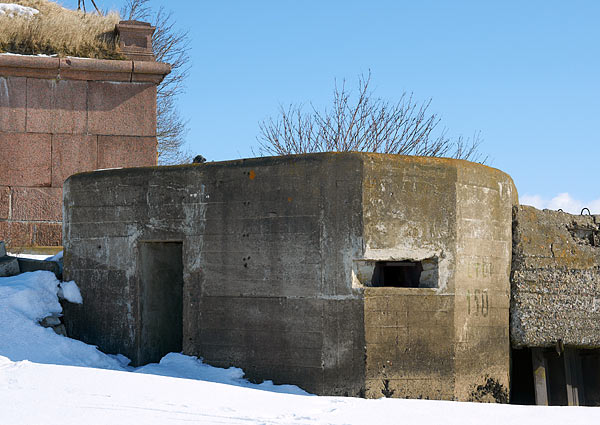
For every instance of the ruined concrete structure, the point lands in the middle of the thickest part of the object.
(60, 116)
(349, 274)
(555, 306)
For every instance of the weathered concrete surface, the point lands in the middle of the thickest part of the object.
(555, 279)
(439, 343)
(484, 199)
(278, 256)
(9, 266)
(31, 265)
(267, 259)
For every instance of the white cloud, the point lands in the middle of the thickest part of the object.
(562, 201)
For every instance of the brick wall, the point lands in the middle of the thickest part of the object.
(59, 117)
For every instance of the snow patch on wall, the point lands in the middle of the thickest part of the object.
(70, 292)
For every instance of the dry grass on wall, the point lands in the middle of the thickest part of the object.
(58, 31)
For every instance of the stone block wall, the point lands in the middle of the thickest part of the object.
(61, 116)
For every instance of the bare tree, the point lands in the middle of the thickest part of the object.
(365, 124)
(170, 46)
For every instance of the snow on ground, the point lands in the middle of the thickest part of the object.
(177, 365)
(18, 54)
(24, 300)
(11, 10)
(56, 257)
(42, 381)
(29, 297)
(31, 256)
(43, 394)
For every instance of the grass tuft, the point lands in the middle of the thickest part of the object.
(59, 31)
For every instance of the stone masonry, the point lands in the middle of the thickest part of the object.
(60, 116)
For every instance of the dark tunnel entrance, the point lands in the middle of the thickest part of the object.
(161, 300)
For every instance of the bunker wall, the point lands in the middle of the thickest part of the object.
(275, 288)
(267, 263)
(484, 201)
(440, 342)
(108, 215)
(409, 214)
(555, 279)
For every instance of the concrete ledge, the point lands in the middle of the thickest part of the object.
(82, 69)
(9, 266)
(31, 265)
(37, 250)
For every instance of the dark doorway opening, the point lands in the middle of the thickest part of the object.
(590, 371)
(566, 376)
(161, 300)
(522, 390)
(556, 378)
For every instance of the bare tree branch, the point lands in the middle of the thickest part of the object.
(82, 3)
(363, 123)
(171, 46)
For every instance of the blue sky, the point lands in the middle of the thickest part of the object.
(523, 73)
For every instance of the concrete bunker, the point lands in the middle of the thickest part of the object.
(346, 274)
